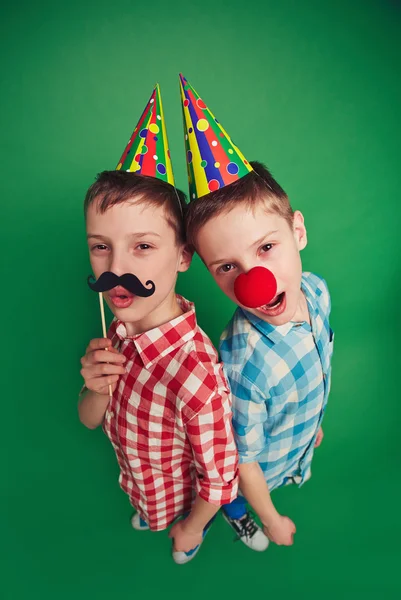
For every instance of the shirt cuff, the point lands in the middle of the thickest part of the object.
(217, 495)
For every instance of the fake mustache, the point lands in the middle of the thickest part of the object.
(129, 281)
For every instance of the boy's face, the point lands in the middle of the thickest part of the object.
(136, 238)
(236, 241)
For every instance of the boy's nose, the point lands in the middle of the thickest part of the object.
(255, 288)
(119, 266)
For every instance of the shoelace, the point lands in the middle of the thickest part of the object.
(247, 527)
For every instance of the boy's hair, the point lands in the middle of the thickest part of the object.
(116, 187)
(257, 186)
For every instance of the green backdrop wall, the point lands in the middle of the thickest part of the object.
(313, 89)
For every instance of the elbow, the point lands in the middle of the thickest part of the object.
(90, 425)
(85, 420)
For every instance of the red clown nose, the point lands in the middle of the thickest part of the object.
(255, 288)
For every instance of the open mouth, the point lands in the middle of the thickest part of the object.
(275, 307)
(121, 298)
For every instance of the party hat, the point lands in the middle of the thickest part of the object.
(213, 161)
(147, 150)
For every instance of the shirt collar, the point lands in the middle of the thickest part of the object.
(156, 343)
(276, 333)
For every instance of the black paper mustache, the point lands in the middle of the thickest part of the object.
(129, 281)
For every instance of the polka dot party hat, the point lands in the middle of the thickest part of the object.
(213, 161)
(147, 150)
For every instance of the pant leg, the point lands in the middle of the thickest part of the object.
(236, 509)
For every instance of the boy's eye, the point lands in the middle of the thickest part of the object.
(101, 247)
(143, 246)
(266, 247)
(226, 268)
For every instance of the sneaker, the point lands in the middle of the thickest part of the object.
(138, 523)
(249, 532)
(180, 558)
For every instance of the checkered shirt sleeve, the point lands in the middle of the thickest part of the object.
(214, 450)
(249, 417)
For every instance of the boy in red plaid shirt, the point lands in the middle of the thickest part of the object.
(169, 419)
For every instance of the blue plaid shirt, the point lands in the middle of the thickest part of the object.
(280, 381)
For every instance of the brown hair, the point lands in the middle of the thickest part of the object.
(115, 187)
(258, 186)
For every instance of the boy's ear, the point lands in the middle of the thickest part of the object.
(300, 234)
(186, 258)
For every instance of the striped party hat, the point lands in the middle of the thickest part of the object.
(213, 161)
(147, 150)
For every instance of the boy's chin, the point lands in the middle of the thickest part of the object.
(275, 321)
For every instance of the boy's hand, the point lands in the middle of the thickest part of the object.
(184, 539)
(100, 367)
(281, 531)
(319, 438)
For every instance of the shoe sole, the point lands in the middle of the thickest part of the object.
(188, 557)
(140, 528)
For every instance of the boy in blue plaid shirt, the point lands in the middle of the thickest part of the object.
(277, 356)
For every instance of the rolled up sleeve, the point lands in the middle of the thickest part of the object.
(215, 454)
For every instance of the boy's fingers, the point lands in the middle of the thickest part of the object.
(99, 344)
(101, 369)
(103, 356)
(100, 385)
(104, 380)
(108, 381)
(108, 369)
(100, 356)
(171, 532)
(113, 350)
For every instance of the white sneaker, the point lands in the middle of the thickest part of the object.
(249, 532)
(180, 558)
(138, 524)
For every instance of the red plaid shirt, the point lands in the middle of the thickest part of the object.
(170, 420)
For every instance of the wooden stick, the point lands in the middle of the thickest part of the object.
(104, 331)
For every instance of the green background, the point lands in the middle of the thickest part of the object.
(313, 89)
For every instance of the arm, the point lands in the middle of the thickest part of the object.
(215, 456)
(249, 418)
(255, 489)
(279, 529)
(188, 533)
(100, 368)
(92, 408)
